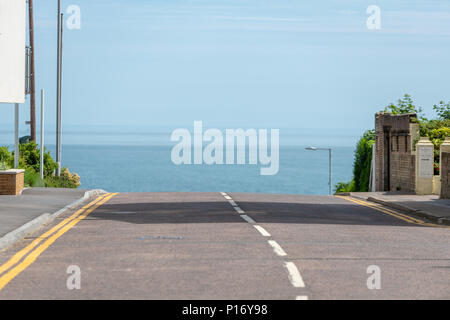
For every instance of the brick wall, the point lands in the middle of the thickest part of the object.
(11, 184)
(395, 164)
(445, 175)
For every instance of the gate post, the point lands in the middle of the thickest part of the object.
(444, 168)
(424, 166)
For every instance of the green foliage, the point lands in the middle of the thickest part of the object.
(3, 166)
(437, 131)
(363, 161)
(33, 179)
(404, 105)
(67, 180)
(361, 165)
(5, 156)
(442, 110)
(345, 187)
(30, 161)
(30, 158)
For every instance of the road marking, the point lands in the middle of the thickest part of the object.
(19, 255)
(294, 275)
(277, 248)
(262, 231)
(232, 203)
(301, 298)
(248, 219)
(239, 210)
(31, 258)
(392, 213)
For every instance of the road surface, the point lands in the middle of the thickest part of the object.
(229, 246)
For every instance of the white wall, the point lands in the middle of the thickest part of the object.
(12, 50)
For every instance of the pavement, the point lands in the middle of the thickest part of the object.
(426, 206)
(229, 246)
(35, 206)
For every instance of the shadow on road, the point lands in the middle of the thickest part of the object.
(262, 212)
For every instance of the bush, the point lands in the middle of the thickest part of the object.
(66, 180)
(30, 161)
(30, 158)
(361, 165)
(344, 187)
(33, 179)
(363, 161)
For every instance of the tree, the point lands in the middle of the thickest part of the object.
(442, 110)
(404, 105)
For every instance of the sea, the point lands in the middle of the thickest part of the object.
(130, 159)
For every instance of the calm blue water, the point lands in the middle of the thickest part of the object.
(138, 162)
(149, 168)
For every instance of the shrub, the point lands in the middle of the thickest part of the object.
(30, 161)
(5, 156)
(30, 158)
(66, 180)
(361, 165)
(33, 179)
(344, 187)
(363, 161)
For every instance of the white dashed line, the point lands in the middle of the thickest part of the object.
(232, 203)
(277, 248)
(294, 275)
(262, 231)
(301, 298)
(248, 219)
(239, 210)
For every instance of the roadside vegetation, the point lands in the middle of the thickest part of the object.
(29, 160)
(436, 129)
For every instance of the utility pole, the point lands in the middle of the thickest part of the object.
(59, 88)
(32, 73)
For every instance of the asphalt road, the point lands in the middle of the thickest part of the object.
(229, 246)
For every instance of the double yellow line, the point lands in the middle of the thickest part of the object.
(392, 213)
(16, 265)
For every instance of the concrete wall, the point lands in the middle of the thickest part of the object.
(394, 157)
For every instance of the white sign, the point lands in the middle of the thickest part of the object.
(12, 51)
(426, 160)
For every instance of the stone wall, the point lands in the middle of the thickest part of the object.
(394, 159)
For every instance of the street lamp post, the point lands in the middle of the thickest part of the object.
(330, 182)
(59, 87)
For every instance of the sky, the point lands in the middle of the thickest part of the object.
(240, 63)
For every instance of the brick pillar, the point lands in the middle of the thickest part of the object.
(445, 169)
(11, 182)
(424, 166)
